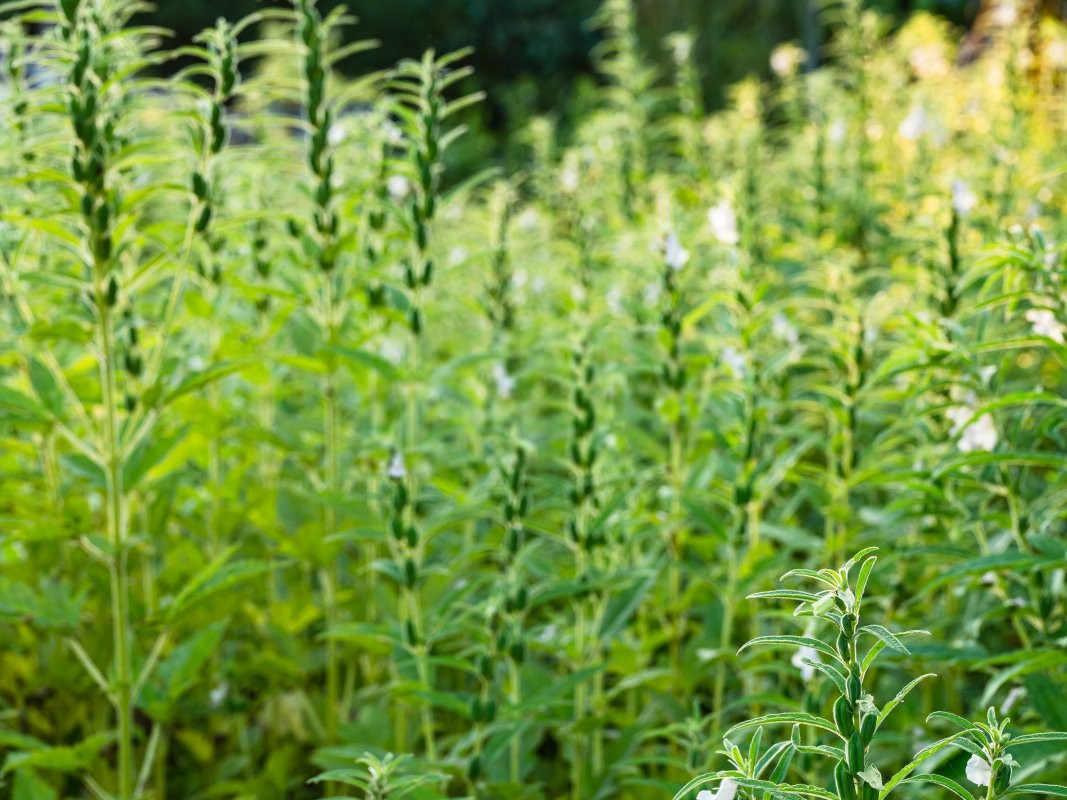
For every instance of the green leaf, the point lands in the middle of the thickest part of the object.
(899, 698)
(16, 405)
(60, 759)
(46, 387)
(793, 641)
(887, 636)
(926, 753)
(1035, 738)
(943, 782)
(1045, 789)
(786, 718)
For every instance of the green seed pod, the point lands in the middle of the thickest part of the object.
(412, 634)
(474, 768)
(854, 686)
(848, 625)
(411, 573)
(415, 321)
(102, 247)
(199, 185)
(412, 536)
(844, 645)
(70, 9)
(427, 273)
(1001, 777)
(112, 293)
(204, 219)
(854, 752)
(843, 718)
(846, 788)
(868, 727)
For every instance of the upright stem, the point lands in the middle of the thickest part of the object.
(116, 534)
(329, 575)
(515, 697)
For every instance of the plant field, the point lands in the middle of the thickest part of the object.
(704, 456)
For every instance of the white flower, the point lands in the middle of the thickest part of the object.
(977, 434)
(392, 350)
(614, 297)
(963, 199)
(979, 771)
(457, 256)
(734, 361)
(505, 383)
(784, 330)
(548, 634)
(396, 470)
(196, 364)
(1004, 14)
(674, 254)
(393, 134)
(337, 134)
(569, 179)
(786, 59)
(1044, 323)
(218, 694)
(398, 187)
(801, 660)
(837, 131)
(727, 790)
(652, 293)
(915, 124)
(723, 223)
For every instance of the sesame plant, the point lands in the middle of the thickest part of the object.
(846, 656)
(354, 443)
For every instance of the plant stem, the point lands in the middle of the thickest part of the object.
(116, 534)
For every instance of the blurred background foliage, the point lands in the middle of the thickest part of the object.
(534, 55)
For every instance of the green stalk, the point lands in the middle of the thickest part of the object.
(117, 536)
(329, 576)
(515, 697)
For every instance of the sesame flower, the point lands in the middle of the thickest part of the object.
(735, 361)
(723, 223)
(915, 124)
(802, 659)
(505, 383)
(674, 254)
(1043, 322)
(727, 790)
(398, 187)
(979, 771)
(783, 330)
(963, 199)
(975, 434)
(786, 59)
(396, 469)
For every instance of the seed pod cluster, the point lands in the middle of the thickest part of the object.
(499, 294)
(326, 222)
(584, 451)
(96, 139)
(672, 370)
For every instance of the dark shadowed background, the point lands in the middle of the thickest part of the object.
(528, 52)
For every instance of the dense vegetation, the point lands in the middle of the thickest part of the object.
(323, 475)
